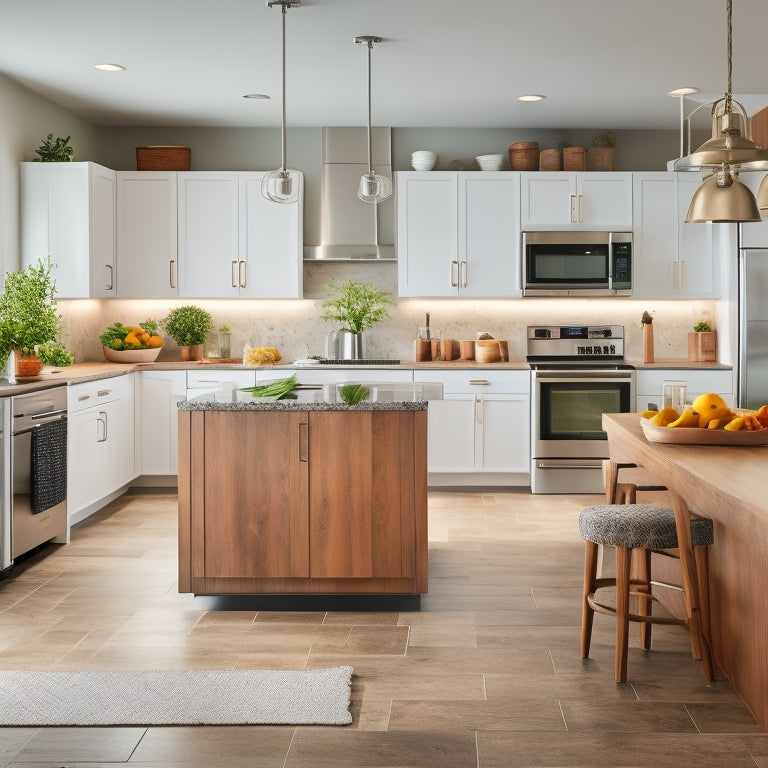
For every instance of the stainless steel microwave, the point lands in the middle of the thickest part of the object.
(577, 263)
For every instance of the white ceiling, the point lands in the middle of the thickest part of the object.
(601, 63)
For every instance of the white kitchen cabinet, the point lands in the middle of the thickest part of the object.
(233, 242)
(554, 200)
(147, 261)
(650, 381)
(100, 440)
(68, 213)
(458, 234)
(160, 393)
(479, 433)
(671, 259)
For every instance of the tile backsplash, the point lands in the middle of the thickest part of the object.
(294, 326)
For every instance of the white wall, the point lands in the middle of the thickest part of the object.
(25, 120)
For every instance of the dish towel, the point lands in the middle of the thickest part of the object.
(49, 465)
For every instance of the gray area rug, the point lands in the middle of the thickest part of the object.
(177, 697)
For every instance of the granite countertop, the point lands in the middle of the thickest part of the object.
(201, 404)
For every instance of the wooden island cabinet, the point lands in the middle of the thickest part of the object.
(299, 498)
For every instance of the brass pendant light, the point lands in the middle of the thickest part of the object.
(762, 194)
(722, 198)
(373, 188)
(284, 184)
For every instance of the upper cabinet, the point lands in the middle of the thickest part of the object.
(233, 241)
(559, 201)
(671, 259)
(147, 261)
(458, 234)
(68, 213)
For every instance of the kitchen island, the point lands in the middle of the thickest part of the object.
(304, 498)
(726, 484)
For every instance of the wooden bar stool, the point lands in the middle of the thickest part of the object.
(646, 528)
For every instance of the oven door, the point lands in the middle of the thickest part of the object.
(568, 444)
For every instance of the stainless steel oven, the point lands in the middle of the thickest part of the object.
(577, 375)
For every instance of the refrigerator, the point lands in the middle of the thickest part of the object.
(753, 327)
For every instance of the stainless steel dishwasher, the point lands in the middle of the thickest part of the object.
(35, 469)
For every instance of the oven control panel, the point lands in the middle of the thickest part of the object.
(563, 342)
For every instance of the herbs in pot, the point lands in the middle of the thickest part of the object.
(359, 306)
(352, 394)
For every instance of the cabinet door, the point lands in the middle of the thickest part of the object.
(427, 253)
(504, 444)
(271, 243)
(256, 470)
(208, 235)
(361, 494)
(605, 201)
(451, 433)
(103, 232)
(548, 200)
(696, 255)
(161, 391)
(147, 266)
(489, 234)
(83, 435)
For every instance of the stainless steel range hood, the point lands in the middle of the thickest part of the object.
(351, 229)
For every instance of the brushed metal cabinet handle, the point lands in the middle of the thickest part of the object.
(463, 270)
(570, 217)
(304, 441)
(243, 273)
(109, 275)
(171, 273)
(480, 382)
(232, 274)
(454, 274)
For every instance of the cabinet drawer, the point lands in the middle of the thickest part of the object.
(650, 382)
(212, 378)
(92, 393)
(336, 375)
(478, 381)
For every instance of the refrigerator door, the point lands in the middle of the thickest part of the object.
(753, 327)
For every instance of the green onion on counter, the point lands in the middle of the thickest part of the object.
(277, 390)
(352, 394)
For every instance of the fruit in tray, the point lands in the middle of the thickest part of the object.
(710, 411)
(130, 337)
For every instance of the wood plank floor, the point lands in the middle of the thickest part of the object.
(486, 675)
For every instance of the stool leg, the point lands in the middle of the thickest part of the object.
(644, 600)
(587, 613)
(623, 559)
(701, 556)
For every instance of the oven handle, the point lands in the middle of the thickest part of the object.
(568, 464)
(585, 374)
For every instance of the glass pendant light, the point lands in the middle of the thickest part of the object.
(284, 184)
(373, 186)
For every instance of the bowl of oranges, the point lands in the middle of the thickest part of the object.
(131, 343)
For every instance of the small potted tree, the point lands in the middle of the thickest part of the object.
(30, 325)
(702, 343)
(188, 326)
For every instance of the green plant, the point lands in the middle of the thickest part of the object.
(55, 150)
(702, 327)
(187, 325)
(360, 306)
(55, 354)
(28, 313)
(224, 329)
(352, 394)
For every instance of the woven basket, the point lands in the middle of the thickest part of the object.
(601, 158)
(524, 156)
(549, 160)
(574, 159)
(163, 157)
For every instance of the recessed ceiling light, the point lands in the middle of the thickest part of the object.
(256, 96)
(531, 97)
(109, 67)
(687, 91)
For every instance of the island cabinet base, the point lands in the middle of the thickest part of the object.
(303, 502)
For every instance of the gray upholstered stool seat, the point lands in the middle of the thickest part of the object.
(639, 526)
(644, 528)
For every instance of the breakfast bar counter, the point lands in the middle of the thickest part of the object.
(727, 484)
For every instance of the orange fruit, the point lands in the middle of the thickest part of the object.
(762, 415)
(155, 341)
(710, 406)
(688, 418)
(132, 339)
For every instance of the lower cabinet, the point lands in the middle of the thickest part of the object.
(479, 433)
(649, 383)
(302, 501)
(160, 394)
(100, 443)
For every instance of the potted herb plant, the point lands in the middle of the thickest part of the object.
(30, 324)
(188, 326)
(55, 150)
(358, 307)
(702, 343)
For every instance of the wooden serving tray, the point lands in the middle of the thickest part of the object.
(696, 436)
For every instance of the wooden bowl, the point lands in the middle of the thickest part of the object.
(131, 355)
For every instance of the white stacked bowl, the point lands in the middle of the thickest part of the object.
(490, 162)
(423, 160)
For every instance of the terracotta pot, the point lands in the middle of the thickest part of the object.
(191, 352)
(27, 365)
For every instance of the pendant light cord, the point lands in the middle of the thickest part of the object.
(370, 144)
(728, 95)
(284, 9)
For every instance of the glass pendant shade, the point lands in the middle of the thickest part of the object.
(722, 199)
(282, 185)
(762, 194)
(374, 188)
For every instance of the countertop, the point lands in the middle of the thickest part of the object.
(201, 404)
(91, 371)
